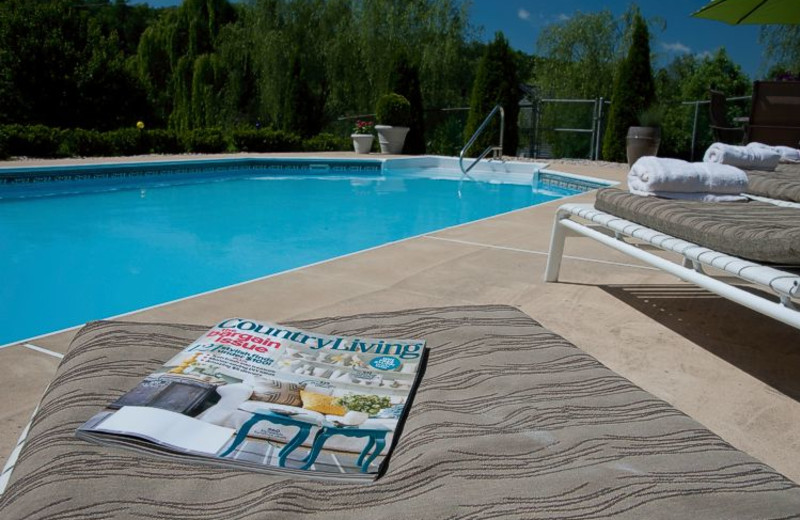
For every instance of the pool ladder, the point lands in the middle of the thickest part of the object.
(496, 151)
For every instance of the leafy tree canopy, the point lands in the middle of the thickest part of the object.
(581, 54)
(689, 78)
(63, 62)
(782, 47)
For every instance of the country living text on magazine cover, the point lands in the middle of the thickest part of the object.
(273, 398)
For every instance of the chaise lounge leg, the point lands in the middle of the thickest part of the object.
(556, 248)
(693, 264)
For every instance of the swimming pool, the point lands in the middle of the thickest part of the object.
(90, 243)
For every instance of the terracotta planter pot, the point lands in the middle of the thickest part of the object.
(362, 143)
(642, 141)
(391, 138)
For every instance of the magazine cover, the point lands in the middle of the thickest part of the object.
(271, 398)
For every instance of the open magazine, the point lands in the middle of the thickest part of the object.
(266, 397)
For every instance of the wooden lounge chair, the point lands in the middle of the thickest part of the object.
(721, 129)
(749, 241)
(775, 113)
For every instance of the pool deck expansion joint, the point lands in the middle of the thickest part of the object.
(539, 253)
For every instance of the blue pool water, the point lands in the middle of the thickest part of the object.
(69, 259)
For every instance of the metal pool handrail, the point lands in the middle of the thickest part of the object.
(497, 151)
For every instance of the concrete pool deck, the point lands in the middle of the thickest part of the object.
(734, 370)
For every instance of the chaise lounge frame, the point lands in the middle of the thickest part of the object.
(615, 232)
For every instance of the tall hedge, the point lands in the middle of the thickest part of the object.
(634, 91)
(496, 82)
(44, 141)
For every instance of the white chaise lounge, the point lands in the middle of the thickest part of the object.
(746, 240)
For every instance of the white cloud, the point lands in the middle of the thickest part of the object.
(704, 54)
(523, 14)
(676, 47)
(563, 17)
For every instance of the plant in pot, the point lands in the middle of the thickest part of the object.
(394, 117)
(643, 140)
(362, 136)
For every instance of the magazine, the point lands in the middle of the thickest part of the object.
(271, 398)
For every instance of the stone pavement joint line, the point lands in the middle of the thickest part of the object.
(43, 350)
(541, 253)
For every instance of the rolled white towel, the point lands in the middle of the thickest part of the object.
(787, 153)
(657, 174)
(742, 156)
(699, 197)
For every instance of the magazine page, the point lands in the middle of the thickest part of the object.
(168, 428)
(272, 398)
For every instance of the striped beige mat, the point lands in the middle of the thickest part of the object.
(782, 184)
(756, 231)
(511, 421)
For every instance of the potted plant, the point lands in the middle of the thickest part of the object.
(362, 136)
(394, 117)
(644, 140)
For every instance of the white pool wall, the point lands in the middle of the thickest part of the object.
(516, 172)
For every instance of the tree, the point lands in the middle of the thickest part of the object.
(716, 72)
(782, 46)
(579, 55)
(676, 131)
(634, 91)
(405, 81)
(578, 58)
(336, 51)
(108, 95)
(689, 78)
(167, 53)
(433, 33)
(63, 63)
(496, 82)
(303, 111)
(292, 64)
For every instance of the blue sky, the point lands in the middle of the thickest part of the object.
(522, 20)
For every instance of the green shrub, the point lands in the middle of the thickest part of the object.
(34, 140)
(78, 142)
(91, 143)
(162, 142)
(327, 143)
(445, 132)
(265, 141)
(651, 116)
(393, 110)
(127, 141)
(205, 140)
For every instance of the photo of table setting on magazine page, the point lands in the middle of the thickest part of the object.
(257, 395)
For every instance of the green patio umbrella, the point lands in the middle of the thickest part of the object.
(737, 12)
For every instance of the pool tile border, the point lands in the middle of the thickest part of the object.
(25, 176)
(556, 180)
